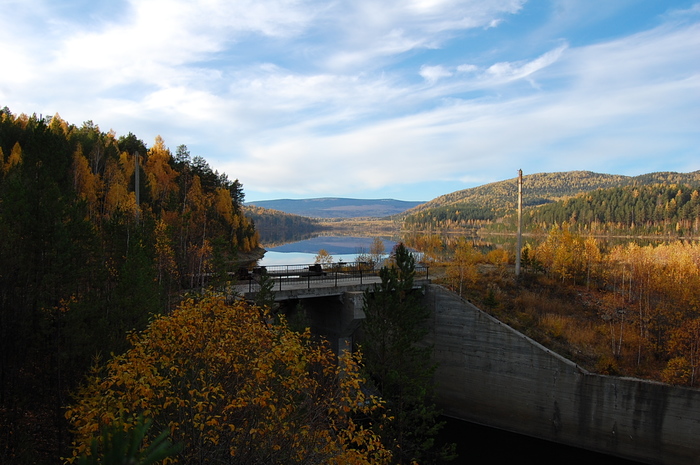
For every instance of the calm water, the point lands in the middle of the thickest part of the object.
(341, 248)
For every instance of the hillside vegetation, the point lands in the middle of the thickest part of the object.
(490, 202)
(275, 226)
(85, 259)
(634, 210)
(623, 309)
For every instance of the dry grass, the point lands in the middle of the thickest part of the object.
(565, 319)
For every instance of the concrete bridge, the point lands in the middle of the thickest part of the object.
(331, 296)
(490, 374)
(316, 280)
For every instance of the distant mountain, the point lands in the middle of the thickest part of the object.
(338, 207)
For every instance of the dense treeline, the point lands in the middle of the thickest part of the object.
(275, 226)
(620, 309)
(86, 259)
(462, 215)
(656, 209)
(491, 203)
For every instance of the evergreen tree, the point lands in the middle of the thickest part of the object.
(265, 297)
(400, 364)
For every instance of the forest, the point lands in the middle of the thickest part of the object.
(121, 340)
(99, 234)
(582, 194)
(274, 226)
(657, 209)
(614, 307)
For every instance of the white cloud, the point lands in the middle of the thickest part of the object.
(591, 115)
(467, 68)
(505, 71)
(433, 73)
(286, 94)
(372, 33)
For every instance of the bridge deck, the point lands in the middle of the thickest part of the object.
(299, 281)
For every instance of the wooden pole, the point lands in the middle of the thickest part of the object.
(519, 247)
(137, 183)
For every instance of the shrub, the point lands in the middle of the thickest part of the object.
(233, 388)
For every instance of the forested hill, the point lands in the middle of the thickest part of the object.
(495, 200)
(634, 209)
(275, 226)
(83, 260)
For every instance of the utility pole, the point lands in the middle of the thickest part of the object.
(519, 247)
(136, 183)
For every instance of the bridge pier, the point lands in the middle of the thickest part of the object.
(335, 317)
(352, 312)
(351, 317)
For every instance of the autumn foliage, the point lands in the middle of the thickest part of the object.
(649, 307)
(615, 306)
(233, 388)
(84, 259)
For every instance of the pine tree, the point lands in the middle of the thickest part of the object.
(400, 364)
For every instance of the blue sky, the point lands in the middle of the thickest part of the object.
(405, 99)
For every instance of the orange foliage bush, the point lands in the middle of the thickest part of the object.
(233, 388)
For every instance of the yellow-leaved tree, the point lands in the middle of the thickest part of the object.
(233, 388)
(462, 271)
(161, 176)
(15, 157)
(86, 184)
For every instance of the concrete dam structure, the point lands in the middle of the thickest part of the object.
(495, 376)
(492, 375)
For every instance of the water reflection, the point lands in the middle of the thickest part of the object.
(341, 248)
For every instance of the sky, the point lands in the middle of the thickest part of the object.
(403, 99)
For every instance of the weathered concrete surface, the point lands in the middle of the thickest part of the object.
(334, 316)
(493, 375)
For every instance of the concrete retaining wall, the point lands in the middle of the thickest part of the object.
(491, 374)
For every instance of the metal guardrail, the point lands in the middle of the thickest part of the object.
(316, 274)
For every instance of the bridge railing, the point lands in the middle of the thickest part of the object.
(341, 273)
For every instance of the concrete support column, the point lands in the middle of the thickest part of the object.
(352, 313)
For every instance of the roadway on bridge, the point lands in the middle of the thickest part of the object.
(311, 281)
(308, 287)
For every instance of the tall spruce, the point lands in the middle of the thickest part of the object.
(399, 363)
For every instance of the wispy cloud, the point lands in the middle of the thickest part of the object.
(506, 71)
(614, 117)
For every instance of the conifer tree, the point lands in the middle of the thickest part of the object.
(400, 364)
